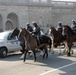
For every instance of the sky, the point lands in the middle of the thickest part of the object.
(65, 0)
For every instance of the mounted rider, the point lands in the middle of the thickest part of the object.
(73, 26)
(28, 27)
(36, 31)
(59, 27)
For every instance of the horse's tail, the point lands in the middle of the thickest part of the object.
(50, 43)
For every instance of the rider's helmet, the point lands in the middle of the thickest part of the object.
(27, 24)
(73, 20)
(60, 23)
(34, 23)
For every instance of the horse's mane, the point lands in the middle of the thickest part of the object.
(27, 31)
(54, 31)
(15, 32)
(69, 28)
(53, 28)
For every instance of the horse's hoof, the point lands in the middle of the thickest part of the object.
(43, 57)
(23, 60)
(52, 52)
(59, 53)
(34, 60)
(72, 52)
(68, 54)
(30, 56)
(47, 57)
(63, 51)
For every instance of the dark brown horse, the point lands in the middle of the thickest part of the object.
(70, 37)
(16, 32)
(57, 37)
(31, 43)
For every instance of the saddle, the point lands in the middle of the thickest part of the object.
(74, 29)
(36, 38)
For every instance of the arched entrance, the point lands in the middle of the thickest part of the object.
(9, 25)
(12, 21)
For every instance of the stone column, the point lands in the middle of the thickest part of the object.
(4, 21)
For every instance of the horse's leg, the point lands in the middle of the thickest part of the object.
(50, 44)
(25, 54)
(69, 46)
(65, 48)
(60, 50)
(23, 50)
(34, 52)
(46, 51)
(72, 50)
(44, 54)
(52, 48)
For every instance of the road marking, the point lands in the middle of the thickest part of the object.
(58, 68)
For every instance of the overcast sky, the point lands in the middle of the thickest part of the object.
(65, 0)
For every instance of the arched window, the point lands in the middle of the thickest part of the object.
(13, 21)
(9, 25)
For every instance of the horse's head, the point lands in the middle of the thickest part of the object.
(67, 30)
(53, 30)
(23, 33)
(15, 33)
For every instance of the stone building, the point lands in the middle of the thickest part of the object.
(16, 13)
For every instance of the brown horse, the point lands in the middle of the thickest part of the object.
(70, 37)
(31, 43)
(57, 37)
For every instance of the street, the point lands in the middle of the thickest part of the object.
(55, 65)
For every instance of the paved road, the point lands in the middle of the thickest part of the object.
(54, 65)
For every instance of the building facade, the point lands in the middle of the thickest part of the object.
(16, 13)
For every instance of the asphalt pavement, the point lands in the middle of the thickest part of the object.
(55, 64)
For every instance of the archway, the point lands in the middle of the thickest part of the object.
(13, 23)
(9, 25)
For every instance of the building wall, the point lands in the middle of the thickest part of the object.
(16, 14)
(42, 15)
(63, 15)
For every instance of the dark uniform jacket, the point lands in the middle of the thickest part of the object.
(59, 28)
(29, 28)
(37, 31)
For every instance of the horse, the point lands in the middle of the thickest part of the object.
(44, 39)
(70, 38)
(16, 32)
(57, 38)
(31, 43)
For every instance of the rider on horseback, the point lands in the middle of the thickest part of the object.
(36, 31)
(59, 27)
(29, 28)
(73, 26)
